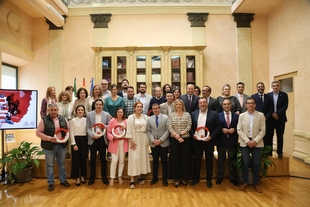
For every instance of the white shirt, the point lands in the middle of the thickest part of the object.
(202, 119)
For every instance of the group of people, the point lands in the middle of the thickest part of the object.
(183, 126)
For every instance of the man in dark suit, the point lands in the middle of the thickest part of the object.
(158, 133)
(264, 105)
(97, 142)
(227, 140)
(203, 117)
(123, 92)
(278, 117)
(213, 104)
(189, 99)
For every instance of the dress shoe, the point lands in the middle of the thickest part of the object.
(140, 181)
(165, 182)
(258, 188)
(235, 182)
(91, 181)
(194, 182)
(280, 155)
(78, 182)
(209, 183)
(219, 181)
(50, 187)
(243, 186)
(105, 180)
(66, 184)
(154, 180)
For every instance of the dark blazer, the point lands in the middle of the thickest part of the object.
(282, 105)
(212, 123)
(120, 93)
(233, 138)
(194, 106)
(266, 108)
(213, 104)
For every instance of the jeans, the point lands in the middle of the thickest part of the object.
(59, 153)
(255, 163)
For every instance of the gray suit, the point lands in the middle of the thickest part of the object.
(164, 108)
(245, 97)
(148, 98)
(91, 120)
(159, 133)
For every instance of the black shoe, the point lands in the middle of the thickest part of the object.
(194, 182)
(105, 180)
(280, 155)
(235, 182)
(50, 187)
(109, 155)
(66, 184)
(176, 184)
(165, 182)
(154, 180)
(78, 182)
(209, 183)
(219, 181)
(91, 181)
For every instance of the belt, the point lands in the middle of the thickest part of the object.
(250, 138)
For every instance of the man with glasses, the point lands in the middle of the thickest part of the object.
(251, 129)
(104, 85)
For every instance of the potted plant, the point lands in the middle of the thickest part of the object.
(19, 161)
(236, 162)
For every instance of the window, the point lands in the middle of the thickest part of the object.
(9, 76)
(287, 85)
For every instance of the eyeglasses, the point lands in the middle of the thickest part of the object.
(250, 103)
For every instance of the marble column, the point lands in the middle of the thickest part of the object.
(100, 38)
(244, 49)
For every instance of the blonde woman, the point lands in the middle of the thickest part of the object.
(180, 123)
(50, 98)
(96, 93)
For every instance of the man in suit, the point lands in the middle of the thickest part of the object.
(251, 129)
(241, 96)
(213, 104)
(189, 99)
(264, 105)
(97, 142)
(144, 98)
(227, 140)
(123, 92)
(158, 133)
(168, 107)
(278, 117)
(203, 117)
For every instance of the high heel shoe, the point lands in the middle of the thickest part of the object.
(120, 181)
(111, 183)
(83, 180)
(176, 184)
(77, 182)
(184, 182)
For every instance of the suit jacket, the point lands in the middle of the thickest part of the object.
(91, 120)
(120, 93)
(266, 108)
(161, 132)
(194, 106)
(212, 123)
(233, 138)
(258, 128)
(213, 104)
(282, 105)
(148, 98)
(164, 108)
(113, 143)
(245, 97)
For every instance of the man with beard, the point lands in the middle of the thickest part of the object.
(143, 97)
(123, 92)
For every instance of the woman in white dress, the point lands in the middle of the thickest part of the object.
(138, 153)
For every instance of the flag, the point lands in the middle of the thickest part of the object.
(84, 83)
(74, 87)
(91, 86)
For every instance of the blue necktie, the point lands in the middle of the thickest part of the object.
(156, 121)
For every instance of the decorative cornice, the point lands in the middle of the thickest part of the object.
(101, 20)
(52, 26)
(243, 19)
(197, 19)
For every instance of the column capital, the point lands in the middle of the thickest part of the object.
(101, 20)
(197, 19)
(52, 26)
(243, 19)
